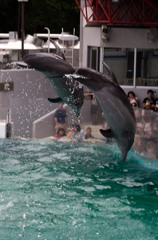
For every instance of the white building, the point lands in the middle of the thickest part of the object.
(124, 34)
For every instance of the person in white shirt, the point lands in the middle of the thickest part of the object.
(78, 133)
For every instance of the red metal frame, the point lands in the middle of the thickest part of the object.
(123, 12)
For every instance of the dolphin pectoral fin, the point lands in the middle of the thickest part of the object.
(107, 133)
(55, 100)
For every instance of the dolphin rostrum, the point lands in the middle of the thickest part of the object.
(54, 67)
(115, 105)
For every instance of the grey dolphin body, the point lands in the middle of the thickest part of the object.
(115, 105)
(54, 68)
(117, 110)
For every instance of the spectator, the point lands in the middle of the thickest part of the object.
(156, 105)
(70, 132)
(78, 133)
(60, 133)
(149, 101)
(105, 125)
(132, 99)
(88, 133)
(94, 110)
(60, 117)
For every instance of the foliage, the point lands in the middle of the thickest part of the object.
(54, 14)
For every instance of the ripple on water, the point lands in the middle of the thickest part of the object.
(70, 191)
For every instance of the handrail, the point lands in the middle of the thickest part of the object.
(39, 120)
(42, 119)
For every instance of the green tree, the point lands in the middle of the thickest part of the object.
(53, 14)
(8, 15)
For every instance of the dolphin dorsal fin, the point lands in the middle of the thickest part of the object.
(55, 100)
(59, 52)
(107, 133)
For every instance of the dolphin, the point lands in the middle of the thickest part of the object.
(115, 105)
(54, 67)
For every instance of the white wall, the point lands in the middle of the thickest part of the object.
(91, 37)
(129, 38)
(118, 37)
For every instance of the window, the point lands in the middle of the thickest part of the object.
(136, 67)
(116, 59)
(93, 58)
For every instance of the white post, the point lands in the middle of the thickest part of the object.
(73, 43)
(48, 38)
(101, 59)
(135, 67)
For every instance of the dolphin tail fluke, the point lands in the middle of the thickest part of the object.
(55, 100)
(107, 133)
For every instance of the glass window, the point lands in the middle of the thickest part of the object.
(148, 68)
(93, 57)
(120, 63)
(123, 61)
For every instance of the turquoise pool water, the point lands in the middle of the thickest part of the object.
(58, 191)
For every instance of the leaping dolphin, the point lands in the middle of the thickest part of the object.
(54, 67)
(114, 103)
